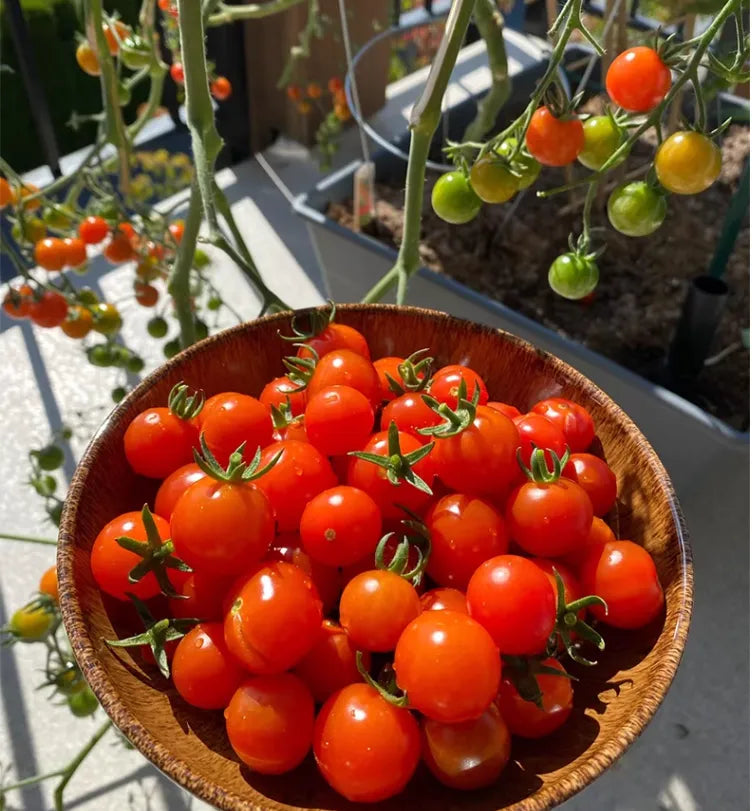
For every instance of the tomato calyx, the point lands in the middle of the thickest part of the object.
(300, 370)
(410, 371)
(539, 471)
(568, 622)
(385, 685)
(456, 420)
(183, 406)
(157, 556)
(522, 672)
(318, 321)
(559, 105)
(398, 465)
(415, 534)
(237, 470)
(157, 634)
(282, 416)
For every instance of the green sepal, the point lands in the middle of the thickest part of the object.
(300, 370)
(456, 420)
(318, 320)
(567, 623)
(539, 471)
(522, 672)
(183, 406)
(410, 370)
(415, 534)
(237, 469)
(390, 695)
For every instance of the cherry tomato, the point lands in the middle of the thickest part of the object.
(280, 391)
(221, 88)
(330, 664)
(600, 534)
(523, 717)
(335, 336)
(338, 419)
(111, 564)
(301, 473)
(554, 141)
(444, 599)
(453, 198)
(50, 253)
(107, 320)
(118, 30)
(549, 520)
(87, 59)
(624, 575)
(410, 413)
(203, 670)
(526, 167)
(465, 532)
(270, 722)
(595, 477)
(232, 419)
(32, 231)
(492, 180)
(375, 608)
(481, 460)
(573, 276)
(295, 430)
(158, 442)
(572, 588)
(48, 584)
(448, 665)
(539, 431)
(366, 563)
(7, 195)
(275, 618)
(388, 366)
(366, 748)
(636, 209)
(372, 478)
(49, 310)
(174, 486)
(638, 79)
(119, 248)
(445, 385)
(93, 230)
(78, 322)
(340, 526)
(602, 139)
(83, 702)
(505, 409)
(202, 595)
(470, 755)
(176, 230)
(343, 367)
(177, 73)
(17, 303)
(687, 163)
(512, 599)
(31, 623)
(221, 527)
(573, 420)
(146, 294)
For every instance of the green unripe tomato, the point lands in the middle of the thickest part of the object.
(55, 512)
(31, 623)
(492, 180)
(214, 303)
(87, 297)
(573, 276)
(202, 331)
(50, 457)
(134, 53)
(525, 166)
(83, 702)
(107, 320)
(45, 485)
(636, 209)
(33, 230)
(135, 364)
(124, 94)
(118, 393)
(58, 217)
(100, 355)
(157, 327)
(82, 269)
(200, 259)
(602, 139)
(171, 348)
(454, 200)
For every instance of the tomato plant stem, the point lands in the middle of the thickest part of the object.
(252, 11)
(5, 536)
(68, 772)
(179, 283)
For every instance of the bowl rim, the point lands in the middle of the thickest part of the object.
(180, 771)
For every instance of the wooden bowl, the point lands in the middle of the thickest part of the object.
(613, 701)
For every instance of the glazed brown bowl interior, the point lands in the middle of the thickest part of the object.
(613, 701)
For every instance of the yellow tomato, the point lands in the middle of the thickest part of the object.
(687, 163)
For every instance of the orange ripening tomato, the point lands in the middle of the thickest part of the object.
(26, 191)
(75, 252)
(87, 59)
(78, 323)
(554, 141)
(48, 584)
(7, 195)
(638, 79)
(50, 253)
(17, 302)
(221, 88)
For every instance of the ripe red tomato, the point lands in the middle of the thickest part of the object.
(444, 385)
(481, 459)
(204, 671)
(600, 534)
(330, 664)
(549, 520)
(506, 409)
(202, 596)
(338, 419)
(554, 141)
(572, 588)
(233, 419)
(301, 473)
(221, 88)
(375, 608)
(75, 252)
(638, 79)
(120, 247)
(448, 665)
(17, 303)
(176, 230)
(49, 253)
(111, 564)
(366, 748)
(523, 717)
(340, 526)
(49, 310)
(444, 599)
(145, 294)
(270, 722)
(93, 230)
(535, 429)
(280, 391)
(470, 755)
(177, 73)
(275, 618)
(573, 420)
(335, 336)
(410, 412)
(372, 478)
(388, 366)
(344, 367)
(465, 532)
(512, 599)
(595, 477)
(624, 575)
(174, 486)
(222, 527)
(158, 442)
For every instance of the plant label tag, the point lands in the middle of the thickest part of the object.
(364, 194)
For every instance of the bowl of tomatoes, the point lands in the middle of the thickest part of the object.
(398, 558)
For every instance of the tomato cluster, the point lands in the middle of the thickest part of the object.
(383, 542)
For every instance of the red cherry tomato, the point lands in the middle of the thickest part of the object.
(17, 304)
(444, 385)
(335, 336)
(600, 534)
(388, 366)
(301, 473)
(410, 413)
(174, 486)
(448, 665)
(595, 477)
(505, 409)
(111, 564)
(573, 420)
(233, 419)
(158, 442)
(344, 367)
(295, 430)
(338, 419)
(177, 73)
(465, 532)
(512, 599)
(49, 253)
(470, 755)
(49, 310)
(275, 618)
(280, 391)
(523, 717)
(572, 588)
(93, 230)
(270, 722)
(203, 670)
(202, 596)
(638, 79)
(535, 429)
(444, 599)
(624, 575)
(221, 88)
(554, 141)
(75, 252)
(120, 247)
(366, 748)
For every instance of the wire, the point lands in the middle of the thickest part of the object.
(354, 104)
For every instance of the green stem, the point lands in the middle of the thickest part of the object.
(30, 781)
(5, 536)
(224, 210)
(303, 49)
(179, 283)
(157, 69)
(586, 211)
(70, 769)
(253, 11)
